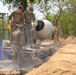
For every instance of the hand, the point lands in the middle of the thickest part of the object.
(11, 23)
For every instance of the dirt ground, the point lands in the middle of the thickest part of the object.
(63, 62)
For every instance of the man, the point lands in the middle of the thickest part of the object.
(17, 42)
(29, 18)
(17, 38)
(15, 18)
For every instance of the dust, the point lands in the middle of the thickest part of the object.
(63, 62)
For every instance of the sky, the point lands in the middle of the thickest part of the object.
(3, 9)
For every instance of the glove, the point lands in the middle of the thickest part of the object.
(9, 27)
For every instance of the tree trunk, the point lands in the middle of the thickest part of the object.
(24, 3)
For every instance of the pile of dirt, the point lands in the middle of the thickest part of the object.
(3, 72)
(20, 72)
(63, 62)
(70, 40)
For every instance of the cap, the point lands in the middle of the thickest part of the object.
(30, 8)
(20, 7)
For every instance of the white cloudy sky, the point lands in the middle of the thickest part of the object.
(3, 9)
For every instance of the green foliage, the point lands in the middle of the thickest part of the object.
(67, 21)
(66, 16)
(0, 23)
(16, 3)
(50, 17)
(4, 32)
(31, 1)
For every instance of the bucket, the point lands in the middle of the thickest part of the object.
(0, 51)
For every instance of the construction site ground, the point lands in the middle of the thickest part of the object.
(62, 62)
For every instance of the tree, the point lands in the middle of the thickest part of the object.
(64, 16)
(16, 3)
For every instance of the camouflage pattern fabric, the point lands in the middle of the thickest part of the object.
(30, 37)
(15, 18)
(17, 41)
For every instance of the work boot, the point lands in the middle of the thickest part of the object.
(22, 71)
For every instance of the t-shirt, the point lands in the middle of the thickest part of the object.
(16, 17)
(17, 38)
(28, 17)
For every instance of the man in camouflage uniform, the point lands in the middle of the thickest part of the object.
(17, 42)
(17, 38)
(15, 18)
(29, 17)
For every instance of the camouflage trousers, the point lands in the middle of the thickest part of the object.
(17, 55)
(30, 36)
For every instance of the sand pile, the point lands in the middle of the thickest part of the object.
(63, 62)
(70, 40)
(3, 72)
(20, 72)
